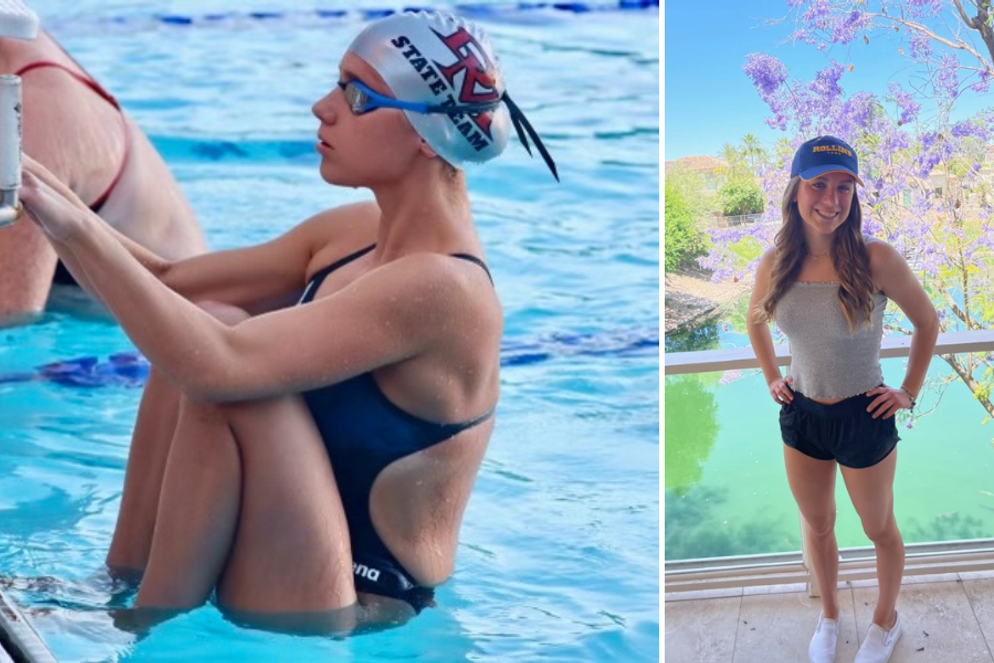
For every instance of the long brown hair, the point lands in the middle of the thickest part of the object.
(849, 255)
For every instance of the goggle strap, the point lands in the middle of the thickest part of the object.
(464, 109)
(522, 125)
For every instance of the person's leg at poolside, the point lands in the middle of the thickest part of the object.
(150, 443)
(872, 493)
(812, 483)
(249, 503)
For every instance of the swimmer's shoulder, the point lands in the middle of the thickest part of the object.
(347, 226)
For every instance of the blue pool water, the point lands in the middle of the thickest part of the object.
(559, 554)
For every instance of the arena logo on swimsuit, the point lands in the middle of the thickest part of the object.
(365, 572)
(478, 83)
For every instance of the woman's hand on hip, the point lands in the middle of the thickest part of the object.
(888, 401)
(782, 390)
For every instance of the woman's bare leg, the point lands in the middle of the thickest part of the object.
(872, 493)
(249, 499)
(150, 443)
(812, 482)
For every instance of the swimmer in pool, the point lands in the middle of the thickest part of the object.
(78, 131)
(310, 434)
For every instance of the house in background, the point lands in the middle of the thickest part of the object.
(711, 169)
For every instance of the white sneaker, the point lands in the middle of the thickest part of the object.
(879, 644)
(822, 647)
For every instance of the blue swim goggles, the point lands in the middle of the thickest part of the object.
(362, 100)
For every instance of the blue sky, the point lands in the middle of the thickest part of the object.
(708, 100)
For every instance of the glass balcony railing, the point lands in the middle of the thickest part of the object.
(727, 502)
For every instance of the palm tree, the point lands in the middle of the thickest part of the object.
(753, 150)
(783, 149)
(733, 156)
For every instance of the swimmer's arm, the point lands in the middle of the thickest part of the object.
(892, 274)
(759, 330)
(256, 279)
(147, 258)
(399, 311)
(271, 275)
(382, 318)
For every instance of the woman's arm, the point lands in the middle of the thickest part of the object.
(760, 336)
(892, 275)
(391, 314)
(257, 279)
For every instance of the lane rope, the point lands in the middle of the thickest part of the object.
(474, 10)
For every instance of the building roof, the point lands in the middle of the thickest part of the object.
(699, 164)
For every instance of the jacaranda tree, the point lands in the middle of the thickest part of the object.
(929, 180)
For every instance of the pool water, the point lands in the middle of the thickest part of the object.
(559, 553)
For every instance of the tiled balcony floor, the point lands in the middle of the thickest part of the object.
(946, 619)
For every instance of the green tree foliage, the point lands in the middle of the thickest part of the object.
(735, 159)
(703, 202)
(753, 152)
(740, 196)
(683, 236)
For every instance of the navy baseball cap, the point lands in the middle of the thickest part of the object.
(825, 154)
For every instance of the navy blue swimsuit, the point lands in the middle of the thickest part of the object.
(364, 432)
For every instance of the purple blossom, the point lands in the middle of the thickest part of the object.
(923, 8)
(984, 84)
(905, 102)
(767, 72)
(947, 77)
(802, 35)
(920, 46)
(846, 29)
(817, 13)
(969, 128)
(857, 111)
(872, 227)
(826, 83)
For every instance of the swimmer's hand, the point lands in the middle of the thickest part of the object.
(51, 204)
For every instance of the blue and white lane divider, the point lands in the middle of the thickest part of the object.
(480, 10)
(476, 9)
(130, 369)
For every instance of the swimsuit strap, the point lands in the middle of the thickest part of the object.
(474, 259)
(318, 278)
(85, 80)
(322, 274)
(97, 88)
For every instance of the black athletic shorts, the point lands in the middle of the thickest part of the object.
(844, 431)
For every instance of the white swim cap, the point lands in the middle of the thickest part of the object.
(446, 62)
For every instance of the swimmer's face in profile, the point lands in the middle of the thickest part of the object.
(362, 148)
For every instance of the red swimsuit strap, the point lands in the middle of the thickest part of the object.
(93, 85)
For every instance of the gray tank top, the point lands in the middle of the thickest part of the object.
(826, 360)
